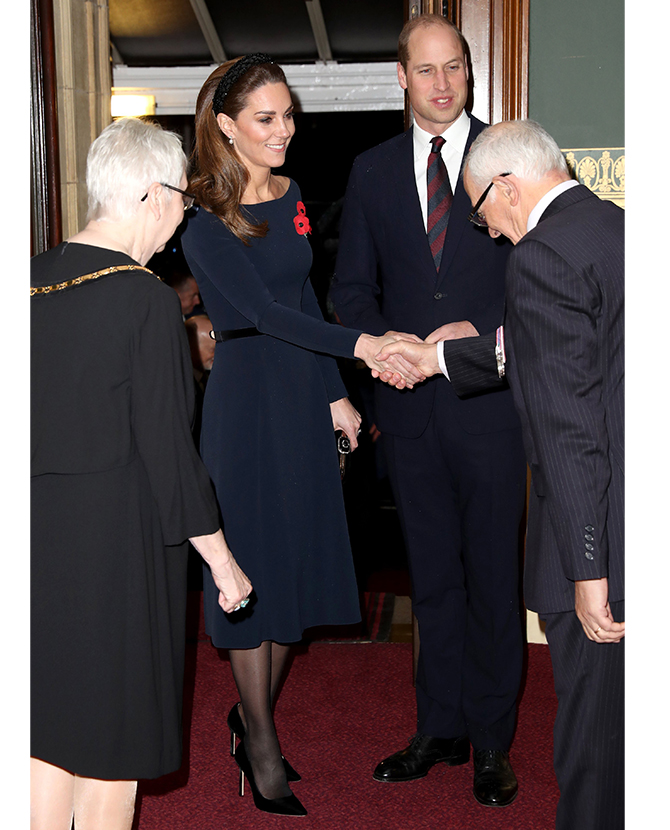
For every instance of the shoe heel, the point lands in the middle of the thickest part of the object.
(237, 730)
(285, 806)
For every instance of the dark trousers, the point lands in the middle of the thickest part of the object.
(460, 500)
(589, 727)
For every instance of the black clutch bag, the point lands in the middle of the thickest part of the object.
(343, 450)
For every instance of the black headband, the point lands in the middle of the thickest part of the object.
(236, 71)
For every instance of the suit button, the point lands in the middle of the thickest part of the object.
(588, 537)
(439, 295)
(588, 547)
(588, 555)
(589, 528)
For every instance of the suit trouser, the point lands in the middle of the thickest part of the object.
(589, 727)
(460, 500)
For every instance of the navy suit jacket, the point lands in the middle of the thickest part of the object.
(385, 279)
(565, 343)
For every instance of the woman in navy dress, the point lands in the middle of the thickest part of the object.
(273, 399)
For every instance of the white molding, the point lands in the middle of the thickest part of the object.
(330, 87)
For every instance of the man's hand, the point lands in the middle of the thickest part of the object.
(368, 347)
(593, 609)
(453, 331)
(422, 356)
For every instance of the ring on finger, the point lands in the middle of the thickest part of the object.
(597, 630)
(244, 603)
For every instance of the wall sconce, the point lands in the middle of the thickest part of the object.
(133, 105)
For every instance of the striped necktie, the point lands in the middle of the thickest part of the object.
(440, 198)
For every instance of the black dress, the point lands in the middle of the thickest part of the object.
(267, 432)
(117, 487)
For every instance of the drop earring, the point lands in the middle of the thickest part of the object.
(230, 140)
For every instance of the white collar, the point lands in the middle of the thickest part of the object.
(456, 136)
(536, 213)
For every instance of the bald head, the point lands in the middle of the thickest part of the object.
(520, 147)
(508, 170)
(202, 345)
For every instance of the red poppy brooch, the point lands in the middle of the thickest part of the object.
(301, 221)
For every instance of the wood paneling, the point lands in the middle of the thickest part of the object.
(46, 215)
(497, 32)
(509, 60)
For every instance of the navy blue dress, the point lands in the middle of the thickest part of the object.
(267, 433)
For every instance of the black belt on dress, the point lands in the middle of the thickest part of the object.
(233, 334)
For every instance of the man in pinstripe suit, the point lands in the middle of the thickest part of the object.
(565, 364)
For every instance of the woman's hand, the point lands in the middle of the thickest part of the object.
(229, 578)
(368, 347)
(346, 418)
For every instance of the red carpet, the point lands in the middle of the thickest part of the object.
(343, 708)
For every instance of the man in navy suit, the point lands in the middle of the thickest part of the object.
(565, 347)
(457, 467)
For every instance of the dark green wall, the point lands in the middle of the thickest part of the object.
(576, 72)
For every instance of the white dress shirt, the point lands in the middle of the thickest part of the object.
(536, 213)
(452, 152)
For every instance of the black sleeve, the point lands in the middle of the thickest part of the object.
(355, 292)
(331, 374)
(244, 289)
(472, 366)
(162, 401)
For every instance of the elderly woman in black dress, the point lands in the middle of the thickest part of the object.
(117, 489)
(272, 402)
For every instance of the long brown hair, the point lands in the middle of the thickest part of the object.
(218, 178)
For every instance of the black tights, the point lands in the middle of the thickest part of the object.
(257, 672)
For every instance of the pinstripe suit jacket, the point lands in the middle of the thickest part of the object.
(472, 365)
(565, 339)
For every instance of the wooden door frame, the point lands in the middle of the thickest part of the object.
(46, 222)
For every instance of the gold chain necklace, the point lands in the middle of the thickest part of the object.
(59, 286)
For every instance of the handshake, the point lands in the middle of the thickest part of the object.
(401, 360)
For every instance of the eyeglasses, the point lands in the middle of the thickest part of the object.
(189, 198)
(476, 217)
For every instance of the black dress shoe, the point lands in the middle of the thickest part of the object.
(495, 782)
(422, 753)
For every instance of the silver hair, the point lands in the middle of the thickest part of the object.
(520, 147)
(124, 160)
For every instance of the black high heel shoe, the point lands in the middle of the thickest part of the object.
(237, 729)
(287, 805)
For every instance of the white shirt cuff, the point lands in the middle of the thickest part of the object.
(440, 359)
